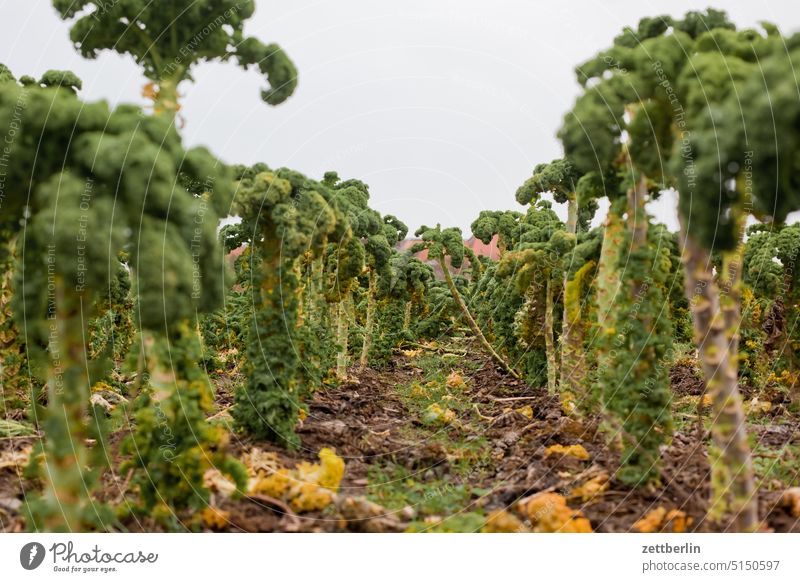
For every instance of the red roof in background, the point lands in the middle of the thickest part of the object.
(234, 254)
(483, 250)
(407, 243)
(479, 248)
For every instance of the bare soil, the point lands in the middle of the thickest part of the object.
(373, 425)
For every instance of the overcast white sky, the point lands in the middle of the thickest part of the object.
(442, 106)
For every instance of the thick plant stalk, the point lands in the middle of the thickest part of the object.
(407, 316)
(607, 280)
(268, 406)
(549, 340)
(635, 384)
(11, 360)
(573, 355)
(370, 323)
(572, 213)
(342, 331)
(312, 288)
(637, 218)
(607, 286)
(637, 226)
(169, 463)
(573, 369)
(67, 500)
(165, 101)
(471, 321)
(733, 492)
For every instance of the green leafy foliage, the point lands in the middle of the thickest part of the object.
(635, 381)
(168, 42)
(174, 446)
(80, 172)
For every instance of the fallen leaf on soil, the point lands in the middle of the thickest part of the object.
(100, 386)
(309, 487)
(365, 516)
(570, 427)
(568, 403)
(327, 473)
(258, 461)
(791, 500)
(98, 400)
(662, 521)
(217, 482)
(677, 521)
(591, 489)
(455, 380)
(651, 522)
(311, 497)
(411, 353)
(707, 400)
(576, 451)
(549, 512)
(275, 485)
(418, 391)
(501, 521)
(215, 519)
(526, 411)
(435, 414)
(756, 407)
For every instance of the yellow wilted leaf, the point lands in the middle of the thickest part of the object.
(302, 414)
(526, 411)
(418, 391)
(568, 403)
(756, 406)
(309, 487)
(98, 386)
(311, 497)
(651, 522)
(436, 414)
(328, 473)
(216, 519)
(411, 353)
(549, 513)
(677, 521)
(455, 380)
(260, 461)
(591, 489)
(576, 451)
(707, 400)
(213, 479)
(501, 521)
(275, 485)
(661, 520)
(332, 469)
